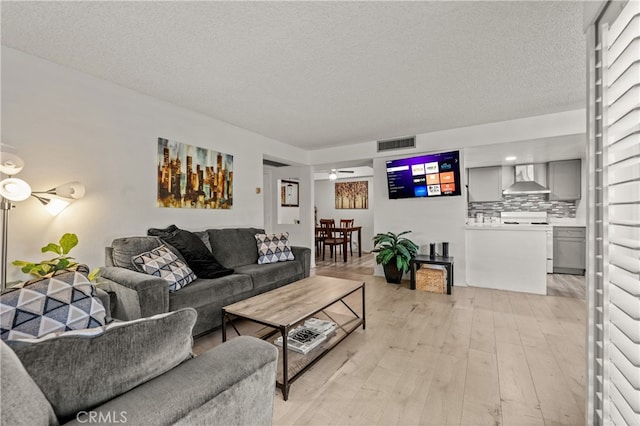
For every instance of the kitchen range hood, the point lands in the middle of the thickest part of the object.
(524, 182)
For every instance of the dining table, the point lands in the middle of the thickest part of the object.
(344, 231)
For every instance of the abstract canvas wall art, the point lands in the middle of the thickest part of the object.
(193, 177)
(352, 195)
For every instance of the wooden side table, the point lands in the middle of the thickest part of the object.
(447, 262)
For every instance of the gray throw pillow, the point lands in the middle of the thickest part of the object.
(161, 262)
(22, 402)
(65, 301)
(273, 248)
(78, 372)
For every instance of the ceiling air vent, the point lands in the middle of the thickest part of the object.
(400, 143)
(272, 163)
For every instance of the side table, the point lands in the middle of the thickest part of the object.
(447, 262)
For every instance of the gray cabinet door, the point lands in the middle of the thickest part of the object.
(485, 184)
(569, 253)
(564, 180)
(569, 249)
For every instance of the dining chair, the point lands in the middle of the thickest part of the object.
(330, 239)
(320, 236)
(348, 223)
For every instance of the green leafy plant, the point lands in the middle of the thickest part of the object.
(62, 261)
(394, 248)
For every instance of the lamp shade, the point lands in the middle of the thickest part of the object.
(52, 205)
(10, 164)
(73, 190)
(14, 189)
(333, 175)
(55, 206)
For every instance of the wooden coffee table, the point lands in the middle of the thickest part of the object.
(282, 309)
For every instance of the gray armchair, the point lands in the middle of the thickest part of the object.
(140, 373)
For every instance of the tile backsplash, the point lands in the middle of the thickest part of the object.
(529, 203)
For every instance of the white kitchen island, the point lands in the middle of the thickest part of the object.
(507, 257)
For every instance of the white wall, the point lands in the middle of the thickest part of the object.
(326, 205)
(302, 233)
(68, 126)
(431, 220)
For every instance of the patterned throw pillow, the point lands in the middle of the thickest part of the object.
(161, 262)
(62, 302)
(273, 248)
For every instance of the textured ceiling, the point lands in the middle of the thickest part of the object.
(317, 74)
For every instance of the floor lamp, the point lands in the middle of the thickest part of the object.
(14, 190)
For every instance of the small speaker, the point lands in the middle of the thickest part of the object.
(432, 250)
(445, 249)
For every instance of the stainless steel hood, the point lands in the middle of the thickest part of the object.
(525, 183)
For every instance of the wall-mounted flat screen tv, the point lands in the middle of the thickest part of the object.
(430, 175)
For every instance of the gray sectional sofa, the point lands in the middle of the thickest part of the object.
(137, 373)
(141, 295)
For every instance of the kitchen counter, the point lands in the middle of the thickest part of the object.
(569, 222)
(507, 257)
(505, 227)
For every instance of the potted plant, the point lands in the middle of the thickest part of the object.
(394, 254)
(47, 268)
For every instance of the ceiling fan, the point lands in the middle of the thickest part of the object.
(333, 173)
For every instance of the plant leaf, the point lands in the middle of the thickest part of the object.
(94, 275)
(67, 242)
(52, 247)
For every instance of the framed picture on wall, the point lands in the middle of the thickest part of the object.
(352, 195)
(192, 177)
(289, 193)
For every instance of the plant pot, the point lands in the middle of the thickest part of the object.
(391, 272)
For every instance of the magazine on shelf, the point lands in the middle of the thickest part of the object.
(306, 337)
(321, 326)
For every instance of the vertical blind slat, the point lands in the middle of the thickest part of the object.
(628, 392)
(621, 313)
(626, 148)
(628, 57)
(623, 83)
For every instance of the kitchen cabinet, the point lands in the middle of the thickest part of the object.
(564, 180)
(485, 184)
(507, 258)
(569, 250)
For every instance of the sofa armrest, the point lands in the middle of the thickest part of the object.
(138, 295)
(304, 255)
(232, 384)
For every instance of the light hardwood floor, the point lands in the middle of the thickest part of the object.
(476, 357)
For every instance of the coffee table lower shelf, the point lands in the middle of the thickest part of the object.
(298, 363)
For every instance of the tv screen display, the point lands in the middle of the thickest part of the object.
(430, 175)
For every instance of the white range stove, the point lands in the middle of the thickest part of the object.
(516, 219)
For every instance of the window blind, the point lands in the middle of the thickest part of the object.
(620, 187)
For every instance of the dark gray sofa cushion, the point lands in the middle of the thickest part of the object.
(208, 296)
(79, 372)
(22, 402)
(125, 248)
(203, 292)
(272, 275)
(234, 246)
